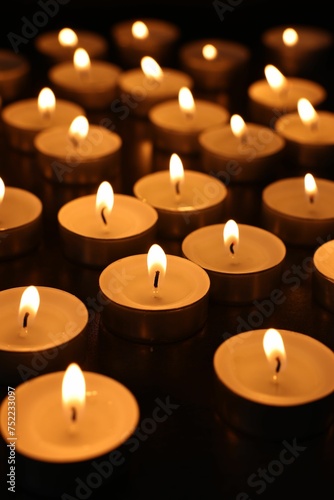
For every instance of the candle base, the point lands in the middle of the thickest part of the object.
(20, 240)
(323, 290)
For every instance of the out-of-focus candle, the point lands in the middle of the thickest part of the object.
(275, 384)
(15, 71)
(323, 275)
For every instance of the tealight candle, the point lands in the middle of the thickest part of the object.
(323, 275)
(184, 199)
(297, 50)
(177, 123)
(215, 64)
(135, 39)
(79, 154)
(67, 420)
(254, 150)
(15, 72)
(98, 229)
(244, 262)
(299, 209)
(163, 299)
(20, 221)
(142, 88)
(89, 82)
(23, 119)
(275, 384)
(308, 135)
(277, 95)
(43, 329)
(59, 46)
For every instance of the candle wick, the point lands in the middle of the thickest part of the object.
(25, 320)
(74, 141)
(103, 216)
(278, 367)
(232, 248)
(73, 414)
(311, 198)
(177, 188)
(156, 279)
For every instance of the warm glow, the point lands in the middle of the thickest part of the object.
(104, 200)
(307, 113)
(273, 346)
(151, 68)
(2, 190)
(209, 52)
(186, 102)
(238, 126)
(73, 392)
(311, 189)
(156, 265)
(67, 38)
(290, 37)
(275, 78)
(176, 172)
(46, 102)
(81, 61)
(231, 236)
(78, 130)
(29, 305)
(139, 30)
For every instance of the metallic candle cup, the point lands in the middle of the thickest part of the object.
(323, 275)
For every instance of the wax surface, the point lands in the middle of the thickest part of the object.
(241, 364)
(184, 283)
(160, 33)
(229, 54)
(198, 191)
(287, 196)
(18, 207)
(110, 416)
(129, 217)
(324, 259)
(310, 39)
(61, 316)
(257, 250)
(94, 44)
(291, 127)
(102, 76)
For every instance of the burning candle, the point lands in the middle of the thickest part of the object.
(20, 221)
(275, 384)
(323, 275)
(15, 71)
(149, 85)
(98, 229)
(177, 123)
(57, 412)
(244, 262)
(308, 136)
(79, 154)
(87, 81)
(25, 118)
(164, 299)
(247, 152)
(299, 209)
(43, 329)
(276, 95)
(183, 199)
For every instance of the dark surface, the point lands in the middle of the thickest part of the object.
(192, 454)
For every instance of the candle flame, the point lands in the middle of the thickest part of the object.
(78, 130)
(290, 37)
(151, 69)
(186, 102)
(29, 305)
(307, 113)
(238, 127)
(81, 61)
(176, 172)
(73, 392)
(67, 37)
(274, 349)
(231, 236)
(156, 265)
(139, 30)
(275, 78)
(311, 188)
(2, 190)
(209, 52)
(104, 200)
(46, 102)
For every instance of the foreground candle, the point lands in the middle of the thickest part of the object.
(64, 421)
(249, 151)
(275, 384)
(79, 154)
(15, 72)
(164, 299)
(177, 123)
(323, 275)
(277, 95)
(299, 209)
(20, 221)
(98, 229)
(43, 329)
(184, 199)
(243, 262)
